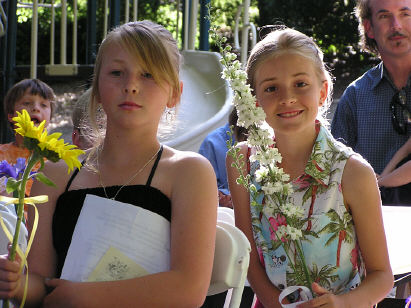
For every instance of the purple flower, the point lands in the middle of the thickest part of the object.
(12, 171)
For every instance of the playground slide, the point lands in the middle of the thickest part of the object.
(205, 102)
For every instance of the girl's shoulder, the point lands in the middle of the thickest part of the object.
(242, 148)
(358, 177)
(181, 160)
(356, 167)
(184, 170)
(242, 156)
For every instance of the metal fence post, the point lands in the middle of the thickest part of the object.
(9, 65)
(204, 25)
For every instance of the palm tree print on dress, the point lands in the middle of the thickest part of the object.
(341, 228)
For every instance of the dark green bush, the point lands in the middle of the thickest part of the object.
(331, 23)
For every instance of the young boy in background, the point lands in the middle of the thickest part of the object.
(38, 99)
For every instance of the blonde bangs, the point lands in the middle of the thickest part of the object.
(154, 60)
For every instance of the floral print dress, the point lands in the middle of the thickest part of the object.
(331, 250)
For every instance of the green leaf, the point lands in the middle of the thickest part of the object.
(41, 164)
(12, 185)
(45, 180)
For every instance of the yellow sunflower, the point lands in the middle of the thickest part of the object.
(68, 152)
(70, 156)
(26, 127)
(49, 146)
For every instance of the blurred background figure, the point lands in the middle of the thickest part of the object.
(214, 148)
(81, 131)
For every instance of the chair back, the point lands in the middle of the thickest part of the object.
(231, 260)
(226, 214)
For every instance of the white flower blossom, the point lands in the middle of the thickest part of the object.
(292, 210)
(293, 233)
(271, 188)
(267, 157)
(288, 189)
(238, 85)
(261, 174)
(279, 173)
(285, 177)
(281, 231)
(261, 138)
(269, 206)
(245, 118)
(273, 180)
(299, 212)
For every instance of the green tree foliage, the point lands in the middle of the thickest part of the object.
(161, 11)
(331, 23)
(24, 19)
(224, 13)
(157, 10)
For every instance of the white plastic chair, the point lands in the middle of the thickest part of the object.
(225, 214)
(226, 210)
(231, 260)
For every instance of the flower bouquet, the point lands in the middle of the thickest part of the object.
(41, 146)
(271, 190)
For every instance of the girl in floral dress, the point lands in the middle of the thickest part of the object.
(344, 242)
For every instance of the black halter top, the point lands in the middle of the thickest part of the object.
(70, 203)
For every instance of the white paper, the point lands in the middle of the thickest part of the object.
(397, 220)
(115, 265)
(141, 235)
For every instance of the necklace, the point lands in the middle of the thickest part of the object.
(129, 180)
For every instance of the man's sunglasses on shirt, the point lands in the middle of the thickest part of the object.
(400, 113)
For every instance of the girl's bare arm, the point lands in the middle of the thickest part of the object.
(266, 292)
